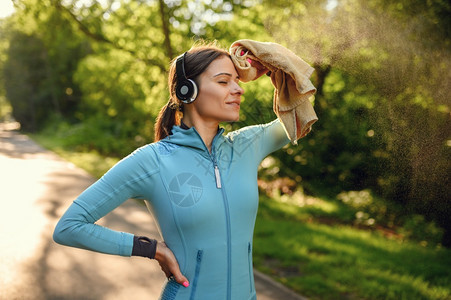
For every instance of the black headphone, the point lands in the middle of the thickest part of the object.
(185, 89)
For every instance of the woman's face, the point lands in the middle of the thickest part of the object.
(219, 94)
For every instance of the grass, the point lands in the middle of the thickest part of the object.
(94, 163)
(304, 243)
(334, 261)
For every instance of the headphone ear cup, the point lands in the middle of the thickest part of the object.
(195, 90)
(186, 91)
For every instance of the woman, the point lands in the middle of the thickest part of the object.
(200, 185)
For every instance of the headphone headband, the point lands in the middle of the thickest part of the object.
(180, 67)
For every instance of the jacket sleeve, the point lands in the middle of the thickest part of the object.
(259, 140)
(273, 138)
(77, 226)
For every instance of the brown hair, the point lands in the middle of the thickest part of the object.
(197, 60)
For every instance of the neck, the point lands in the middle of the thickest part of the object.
(206, 130)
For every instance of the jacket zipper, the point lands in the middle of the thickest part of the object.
(227, 215)
(229, 238)
(196, 274)
(217, 177)
(249, 258)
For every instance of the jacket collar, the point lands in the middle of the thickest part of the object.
(191, 138)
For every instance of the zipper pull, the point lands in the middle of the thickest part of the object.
(218, 177)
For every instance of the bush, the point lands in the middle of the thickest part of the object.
(415, 227)
(94, 134)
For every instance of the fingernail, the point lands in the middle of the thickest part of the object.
(249, 60)
(186, 284)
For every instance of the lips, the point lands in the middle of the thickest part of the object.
(235, 103)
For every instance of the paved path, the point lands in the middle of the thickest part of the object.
(36, 187)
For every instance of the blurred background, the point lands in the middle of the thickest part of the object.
(360, 209)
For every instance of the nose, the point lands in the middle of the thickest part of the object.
(237, 89)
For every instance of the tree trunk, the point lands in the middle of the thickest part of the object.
(165, 26)
(321, 72)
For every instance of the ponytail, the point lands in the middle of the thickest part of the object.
(170, 114)
(167, 117)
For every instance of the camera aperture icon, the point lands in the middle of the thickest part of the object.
(185, 189)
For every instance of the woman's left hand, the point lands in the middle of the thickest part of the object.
(169, 264)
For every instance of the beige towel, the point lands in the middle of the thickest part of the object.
(290, 77)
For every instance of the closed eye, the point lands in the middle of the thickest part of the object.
(226, 75)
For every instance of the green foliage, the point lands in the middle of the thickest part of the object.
(416, 227)
(5, 106)
(24, 75)
(337, 154)
(93, 134)
(369, 210)
(382, 103)
(431, 18)
(39, 65)
(115, 102)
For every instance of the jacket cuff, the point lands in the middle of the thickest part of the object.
(143, 246)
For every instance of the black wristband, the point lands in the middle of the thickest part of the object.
(143, 246)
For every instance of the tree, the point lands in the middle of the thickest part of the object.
(393, 92)
(122, 75)
(40, 64)
(23, 74)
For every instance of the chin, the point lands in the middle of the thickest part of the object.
(231, 118)
(235, 119)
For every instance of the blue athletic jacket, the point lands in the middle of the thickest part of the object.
(204, 203)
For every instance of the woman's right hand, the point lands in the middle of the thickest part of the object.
(261, 69)
(169, 264)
